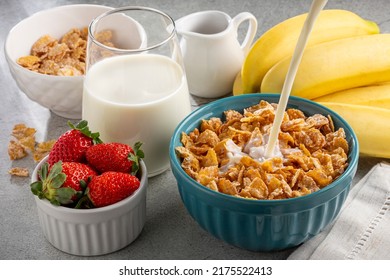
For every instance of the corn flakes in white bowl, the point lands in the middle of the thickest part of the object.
(50, 87)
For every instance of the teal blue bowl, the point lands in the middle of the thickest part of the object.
(262, 225)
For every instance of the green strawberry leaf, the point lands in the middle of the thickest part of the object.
(36, 187)
(54, 171)
(82, 126)
(83, 184)
(95, 138)
(135, 165)
(64, 195)
(79, 194)
(138, 151)
(50, 185)
(58, 180)
(138, 154)
(84, 203)
(43, 171)
(80, 203)
(55, 202)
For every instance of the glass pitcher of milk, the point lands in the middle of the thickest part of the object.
(135, 87)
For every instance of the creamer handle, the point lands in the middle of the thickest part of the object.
(252, 29)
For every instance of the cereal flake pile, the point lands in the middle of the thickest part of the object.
(64, 57)
(227, 156)
(23, 144)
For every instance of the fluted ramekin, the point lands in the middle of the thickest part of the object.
(97, 231)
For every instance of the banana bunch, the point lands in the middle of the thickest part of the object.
(279, 42)
(345, 67)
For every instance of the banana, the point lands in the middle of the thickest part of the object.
(371, 125)
(237, 85)
(279, 41)
(335, 66)
(375, 95)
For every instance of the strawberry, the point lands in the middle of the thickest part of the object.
(111, 187)
(63, 182)
(116, 157)
(77, 172)
(72, 145)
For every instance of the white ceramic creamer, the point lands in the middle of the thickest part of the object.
(211, 50)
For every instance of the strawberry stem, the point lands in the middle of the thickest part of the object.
(84, 203)
(49, 185)
(82, 126)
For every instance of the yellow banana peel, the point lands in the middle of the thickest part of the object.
(279, 41)
(237, 85)
(374, 95)
(334, 66)
(371, 125)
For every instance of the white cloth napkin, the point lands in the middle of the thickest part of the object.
(362, 230)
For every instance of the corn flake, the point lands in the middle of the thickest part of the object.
(63, 57)
(24, 143)
(19, 171)
(31, 62)
(16, 150)
(42, 149)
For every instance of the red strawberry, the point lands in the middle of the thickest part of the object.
(111, 187)
(72, 145)
(76, 172)
(63, 182)
(116, 157)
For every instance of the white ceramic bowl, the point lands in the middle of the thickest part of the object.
(98, 231)
(62, 95)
